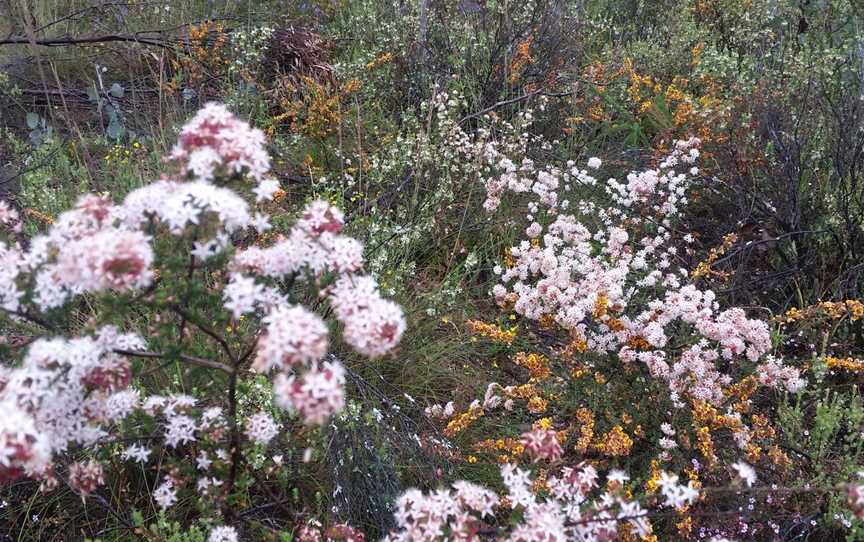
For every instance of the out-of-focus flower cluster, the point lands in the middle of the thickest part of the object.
(61, 395)
(76, 392)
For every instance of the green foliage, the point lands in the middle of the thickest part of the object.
(165, 530)
(51, 182)
(824, 427)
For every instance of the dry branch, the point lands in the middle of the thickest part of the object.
(84, 40)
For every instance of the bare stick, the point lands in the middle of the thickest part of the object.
(192, 360)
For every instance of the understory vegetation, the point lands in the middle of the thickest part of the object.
(428, 270)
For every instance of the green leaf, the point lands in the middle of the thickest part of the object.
(660, 102)
(92, 93)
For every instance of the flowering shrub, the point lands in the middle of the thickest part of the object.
(157, 278)
(616, 289)
(609, 283)
(650, 109)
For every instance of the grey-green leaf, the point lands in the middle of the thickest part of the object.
(32, 120)
(117, 90)
(115, 129)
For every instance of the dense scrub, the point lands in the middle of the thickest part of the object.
(428, 270)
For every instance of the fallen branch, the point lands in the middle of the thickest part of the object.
(63, 42)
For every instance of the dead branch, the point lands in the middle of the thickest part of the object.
(84, 40)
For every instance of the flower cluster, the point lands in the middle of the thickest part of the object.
(295, 338)
(85, 477)
(372, 325)
(261, 428)
(60, 395)
(425, 517)
(24, 451)
(572, 509)
(316, 395)
(215, 138)
(542, 444)
(223, 534)
(602, 284)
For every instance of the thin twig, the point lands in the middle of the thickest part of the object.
(500, 104)
(539, 92)
(29, 317)
(207, 330)
(192, 360)
(751, 244)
